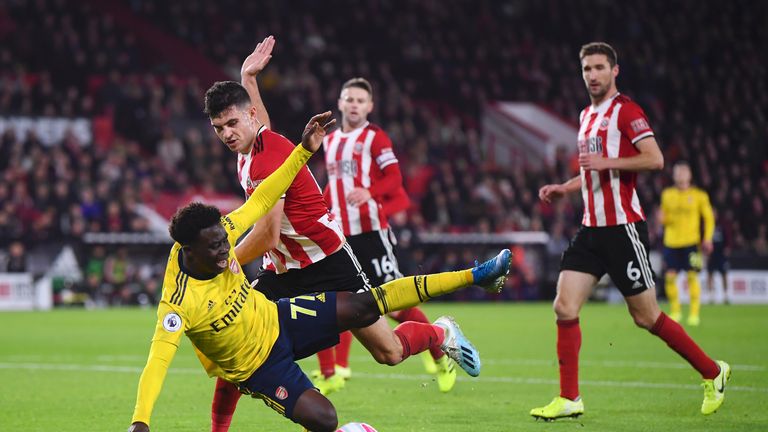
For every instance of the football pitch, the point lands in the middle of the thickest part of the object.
(75, 370)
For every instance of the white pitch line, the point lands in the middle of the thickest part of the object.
(502, 362)
(379, 376)
(605, 363)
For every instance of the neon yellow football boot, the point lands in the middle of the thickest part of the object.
(446, 373)
(344, 372)
(560, 407)
(429, 363)
(714, 389)
(328, 385)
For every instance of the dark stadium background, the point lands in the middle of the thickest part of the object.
(135, 71)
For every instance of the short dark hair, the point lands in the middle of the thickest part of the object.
(188, 221)
(359, 83)
(682, 163)
(599, 48)
(224, 94)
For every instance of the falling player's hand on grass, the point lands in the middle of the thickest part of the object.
(258, 59)
(315, 131)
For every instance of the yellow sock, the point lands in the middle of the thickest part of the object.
(694, 290)
(409, 291)
(670, 286)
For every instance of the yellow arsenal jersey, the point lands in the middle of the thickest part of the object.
(232, 326)
(682, 212)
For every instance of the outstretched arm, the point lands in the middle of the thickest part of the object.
(151, 382)
(253, 64)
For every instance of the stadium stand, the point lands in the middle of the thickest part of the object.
(432, 77)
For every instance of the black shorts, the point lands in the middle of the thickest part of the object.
(376, 252)
(620, 250)
(339, 271)
(682, 259)
(307, 325)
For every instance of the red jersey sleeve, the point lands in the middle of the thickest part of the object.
(390, 177)
(633, 123)
(381, 151)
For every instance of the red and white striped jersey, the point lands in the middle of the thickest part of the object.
(356, 159)
(308, 231)
(611, 129)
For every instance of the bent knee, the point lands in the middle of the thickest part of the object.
(388, 357)
(324, 420)
(643, 321)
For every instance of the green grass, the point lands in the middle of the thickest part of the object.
(73, 370)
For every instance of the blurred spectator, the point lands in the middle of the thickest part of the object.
(17, 258)
(433, 85)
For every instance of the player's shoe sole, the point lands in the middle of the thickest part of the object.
(559, 408)
(492, 274)
(457, 346)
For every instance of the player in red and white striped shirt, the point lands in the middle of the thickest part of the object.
(615, 142)
(363, 173)
(306, 246)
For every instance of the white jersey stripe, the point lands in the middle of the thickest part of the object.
(365, 179)
(636, 207)
(365, 159)
(353, 213)
(584, 191)
(613, 138)
(597, 191)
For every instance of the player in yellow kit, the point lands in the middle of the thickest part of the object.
(682, 209)
(242, 337)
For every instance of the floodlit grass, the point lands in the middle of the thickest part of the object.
(74, 370)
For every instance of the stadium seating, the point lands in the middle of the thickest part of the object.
(432, 78)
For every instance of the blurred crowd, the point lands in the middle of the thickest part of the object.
(434, 66)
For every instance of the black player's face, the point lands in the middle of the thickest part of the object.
(599, 76)
(236, 128)
(209, 254)
(355, 104)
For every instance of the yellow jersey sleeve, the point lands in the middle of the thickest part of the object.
(170, 326)
(151, 382)
(708, 215)
(266, 195)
